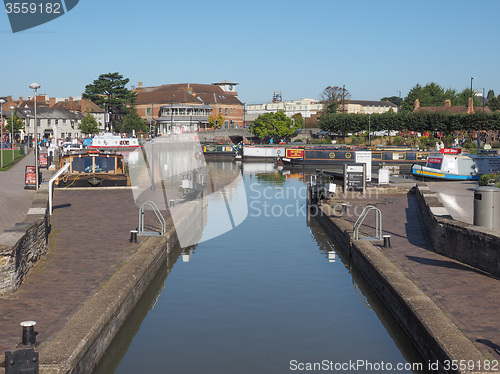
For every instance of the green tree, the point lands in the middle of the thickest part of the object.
(89, 125)
(494, 103)
(299, 120)
(432, 94)
(132, 121)
(396, 100)
(18, 123)
(491, 94)
(216, 121)
(464, 96)
(274, 126)
(109, 92)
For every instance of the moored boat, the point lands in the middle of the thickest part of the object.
(93, 168)
(109, 140)
(449, 166)
(324, 156)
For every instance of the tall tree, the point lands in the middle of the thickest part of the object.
(132, 121)
(18, 123)
(334, 97)
(109, 92)
(216, 121)
(432, 94)
(273, 125)
(89, 125)
(396, 100)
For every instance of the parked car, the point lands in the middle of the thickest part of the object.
(321, 133)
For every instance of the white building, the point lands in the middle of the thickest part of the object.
(306, 107)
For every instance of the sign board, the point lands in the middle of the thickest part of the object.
(365, 157)
(451, 151)
(354, 177)
(30, 177)
(43, 160)
(294, 153)
(383, 176)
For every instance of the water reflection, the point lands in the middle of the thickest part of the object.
(260, 297)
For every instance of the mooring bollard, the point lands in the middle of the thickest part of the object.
(29, 336)
(133, 236)
(387, 241)
(344, 208)
(171, 203)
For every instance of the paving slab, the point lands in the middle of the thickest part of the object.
(469, 297)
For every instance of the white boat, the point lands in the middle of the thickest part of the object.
(109, 140)
(448, 166)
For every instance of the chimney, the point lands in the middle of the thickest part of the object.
(139, 84)
(21, 99)
(52, 101)
(417, 103)
(447, 103)
(71, 99)
(471, 106)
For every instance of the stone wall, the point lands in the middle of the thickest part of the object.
(475, 246)
(224, 136)
(24, 244)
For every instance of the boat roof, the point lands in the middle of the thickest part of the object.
(87, 152)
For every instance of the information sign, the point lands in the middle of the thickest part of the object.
(365, 157)
(354, 177)
(30, 177)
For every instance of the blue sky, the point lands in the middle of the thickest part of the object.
(374, 48)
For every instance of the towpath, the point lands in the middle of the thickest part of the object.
(470, 298)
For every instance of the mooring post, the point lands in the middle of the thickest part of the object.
(133, 236)
(29, 336)
(387, 241)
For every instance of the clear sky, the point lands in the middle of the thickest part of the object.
(374, 48)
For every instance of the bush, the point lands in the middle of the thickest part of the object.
(486, 179)
(397, 140)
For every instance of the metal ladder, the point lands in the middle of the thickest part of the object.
(158, 214)
(378, 224)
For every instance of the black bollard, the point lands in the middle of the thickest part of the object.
(133, 236)
(344, 208)
(29, 336)
(171, 203)
(387, 241)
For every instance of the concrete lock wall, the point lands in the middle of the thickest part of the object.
(23, 245)
(429, 329)
(475, 246)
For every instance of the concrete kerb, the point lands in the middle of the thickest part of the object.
(436, 337)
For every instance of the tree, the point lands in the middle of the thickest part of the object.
(494, 103)
(432, 94)
(299, 120)
(274, 126)
(491, 94)
(110, 93)
(334, 97)
(18, 123)
(393, 99)
(89, 125)
(132, 121)
(216, 121)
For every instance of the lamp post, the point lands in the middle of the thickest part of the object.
(369, 129)
(2, 101)
(399, 102)
(35, 86)
(12, 132)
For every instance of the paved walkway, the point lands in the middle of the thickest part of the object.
(468, 297)
(88, 243)
(15, 201)
(457, 197)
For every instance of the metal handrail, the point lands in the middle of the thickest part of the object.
(361, 218)
(158, 214)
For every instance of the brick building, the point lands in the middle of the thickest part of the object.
(186, 106)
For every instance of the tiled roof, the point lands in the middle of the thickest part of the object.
(43, 112)
(82, 106)
(185, 93)
(371, 103)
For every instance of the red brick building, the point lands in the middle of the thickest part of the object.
(186, 106)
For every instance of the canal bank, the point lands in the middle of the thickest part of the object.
(89, 280)
(446, 307)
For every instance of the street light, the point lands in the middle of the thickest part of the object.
(2, 101)
(471, 92)
(12, 132)
(35, 86)
(369, 129)
(399, 102)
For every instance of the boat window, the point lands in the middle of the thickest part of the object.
(104, 164)
(434, 162)
(81, 165)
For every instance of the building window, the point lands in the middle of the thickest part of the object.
(148, 111)
(64, 121)
(48, 122)
(220, 110)
(56, 121)
(226, 111)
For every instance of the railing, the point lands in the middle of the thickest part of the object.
(161, 220)
(378, 224)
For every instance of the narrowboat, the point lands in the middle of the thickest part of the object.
(325, 156)
(93, 168)
(226, 150)
(109, 140)
(455, 166)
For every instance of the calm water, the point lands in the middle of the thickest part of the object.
(264, 297)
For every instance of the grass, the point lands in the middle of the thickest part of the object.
(7, 158)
